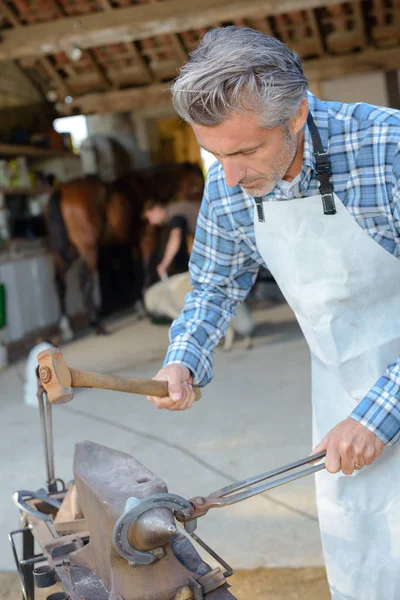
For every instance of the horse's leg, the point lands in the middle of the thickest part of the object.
(87, 270)
(61, 269)
(83, 209)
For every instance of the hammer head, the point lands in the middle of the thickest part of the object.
(55, 376)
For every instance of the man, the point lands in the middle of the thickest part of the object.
(311, 189)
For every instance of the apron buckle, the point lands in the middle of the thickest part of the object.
(260, 210)
(328, 203)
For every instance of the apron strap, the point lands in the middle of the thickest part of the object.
(260, 210)
(323, 173)
(323, 169)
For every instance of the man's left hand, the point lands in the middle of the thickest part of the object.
(349, 446)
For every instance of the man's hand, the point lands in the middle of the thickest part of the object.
(162, 271)
(181, 394)
(349, 446)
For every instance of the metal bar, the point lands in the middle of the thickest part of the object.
(229, 571)
(46, 422)
(227, 491)
(49, 425)
(230, 498)
(26, 593)
(32, 561)
(247, 488)
(52, 529)
(28, 550)
(40, 397)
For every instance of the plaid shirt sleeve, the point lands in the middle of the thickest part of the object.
(380, 408)
(222, 273)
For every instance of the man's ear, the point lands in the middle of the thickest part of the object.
(299, 120)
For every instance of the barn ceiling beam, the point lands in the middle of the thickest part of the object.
(351, 64)
(126, 100)
(316, 70)
(136, 23)
(45, 62)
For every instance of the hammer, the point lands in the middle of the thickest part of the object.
(59, 380)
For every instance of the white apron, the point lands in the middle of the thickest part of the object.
(345, 291)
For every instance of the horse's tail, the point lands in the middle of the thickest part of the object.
(58, 234)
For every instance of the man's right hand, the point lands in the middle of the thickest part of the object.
(181, 394)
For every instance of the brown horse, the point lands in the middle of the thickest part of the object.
(87, 214)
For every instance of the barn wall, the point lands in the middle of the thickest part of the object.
(366, 87)
(15, 88)
(20, 102)
(145, 124)
(119, 127)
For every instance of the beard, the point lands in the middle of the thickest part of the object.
(266, 183)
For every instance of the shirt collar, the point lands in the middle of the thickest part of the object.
(320, 115)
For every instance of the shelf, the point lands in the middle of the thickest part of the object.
(15, 191)
(32, 151)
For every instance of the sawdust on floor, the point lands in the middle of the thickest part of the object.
(260, 584)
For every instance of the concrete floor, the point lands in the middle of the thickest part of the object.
(253, 417)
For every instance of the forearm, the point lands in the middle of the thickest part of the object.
(172, 247)
(195, 334)
(204, 320)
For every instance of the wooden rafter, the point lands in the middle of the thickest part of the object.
(317, 70)
(10, 16)
(262, 24)
(177, 45)
(61, 84)
(119, 100)
(138, 22)
(179, 48)
(360, 24)
(45, 62)
(92, 59)
(99, 70)
(358, 62)
(141, 62)
(316, 32)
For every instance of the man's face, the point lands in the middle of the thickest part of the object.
(253, 157)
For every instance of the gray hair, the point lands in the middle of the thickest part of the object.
(237, 69)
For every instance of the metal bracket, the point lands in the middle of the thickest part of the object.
(27, 592)
(22, 496)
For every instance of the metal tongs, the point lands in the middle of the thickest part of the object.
(242, 490)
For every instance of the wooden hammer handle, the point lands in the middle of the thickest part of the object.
(132, 385)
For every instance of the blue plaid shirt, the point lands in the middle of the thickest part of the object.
(363, 144)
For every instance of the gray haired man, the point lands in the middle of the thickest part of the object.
(312, 189)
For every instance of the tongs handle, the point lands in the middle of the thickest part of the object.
(236, 492)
